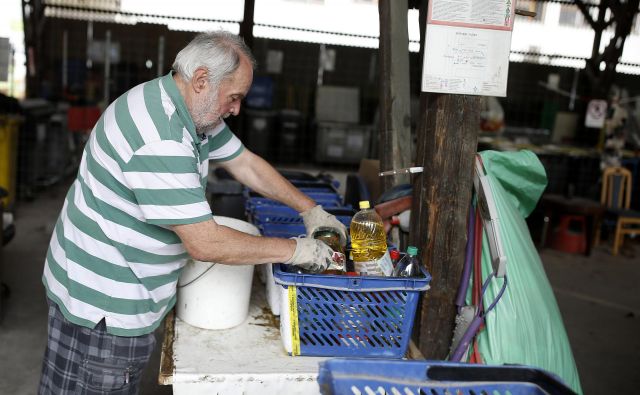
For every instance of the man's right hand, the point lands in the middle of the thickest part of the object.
(311, 255)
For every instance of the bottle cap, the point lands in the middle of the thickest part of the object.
(411, 250)
(364, 204)
(394, 254)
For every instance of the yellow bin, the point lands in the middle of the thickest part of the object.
(9, 127)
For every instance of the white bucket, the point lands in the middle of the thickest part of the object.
(273, 290)
(216, 296)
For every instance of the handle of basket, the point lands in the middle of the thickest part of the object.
(479, 373)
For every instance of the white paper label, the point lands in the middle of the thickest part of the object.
(377, 267)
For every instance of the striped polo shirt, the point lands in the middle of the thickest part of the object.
(113, 254)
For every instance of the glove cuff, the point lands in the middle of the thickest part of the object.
(296, 252)
(310, 212)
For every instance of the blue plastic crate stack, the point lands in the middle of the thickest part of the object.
(277, 220)
(334, 315)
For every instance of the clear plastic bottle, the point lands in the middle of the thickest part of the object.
(408, 266)
(369, 243)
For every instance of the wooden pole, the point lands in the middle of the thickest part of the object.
(246, 26)
(395, 145)
(447, 139)
(447, 142)
(33, 21)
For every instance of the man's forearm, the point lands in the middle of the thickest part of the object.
(260, 176)
(209, 242)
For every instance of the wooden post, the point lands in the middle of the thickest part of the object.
(447, 139)
(447, 142)
(33, 21)
(246, 26)
(395, 146)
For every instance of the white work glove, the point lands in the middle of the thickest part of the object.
(311, 255)
(316, 217)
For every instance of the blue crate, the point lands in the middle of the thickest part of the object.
(325, 200)
(323, 192)
(349, 316)
(324, 195)
(298, 177)
(262, 214)
(316, 186)
(281, 230)
(275, 214)
(351, 376)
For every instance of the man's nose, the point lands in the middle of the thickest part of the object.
(235, 109)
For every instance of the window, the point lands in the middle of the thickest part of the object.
(344, 22)
(570, 15)
(307, 1)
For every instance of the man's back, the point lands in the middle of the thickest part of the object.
(111, 254)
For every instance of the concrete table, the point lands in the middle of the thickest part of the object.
(247, 359)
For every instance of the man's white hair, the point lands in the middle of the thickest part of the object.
(219, 52)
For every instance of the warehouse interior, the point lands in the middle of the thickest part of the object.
(314, 107)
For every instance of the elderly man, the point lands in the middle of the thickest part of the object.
(137, 210)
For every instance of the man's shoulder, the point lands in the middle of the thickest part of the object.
(150, 106)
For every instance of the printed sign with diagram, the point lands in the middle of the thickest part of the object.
(467, 45)
(596, 113)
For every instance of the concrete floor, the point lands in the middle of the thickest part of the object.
(598, 297)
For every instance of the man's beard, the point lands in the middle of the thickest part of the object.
(205, 110)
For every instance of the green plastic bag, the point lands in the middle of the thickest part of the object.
(525, 327)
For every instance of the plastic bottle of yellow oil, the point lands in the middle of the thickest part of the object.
(369, 243)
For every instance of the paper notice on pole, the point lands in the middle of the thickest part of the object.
(483, 14)
(596, 113)
(467, 44)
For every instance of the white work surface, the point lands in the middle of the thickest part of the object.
(247, 359)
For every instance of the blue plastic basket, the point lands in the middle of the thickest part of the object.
(275, 214)
(309, 187)
(361, 376)
(324, 199)
(270, 229)
(286, 215)
(322, 193)
(350, 316)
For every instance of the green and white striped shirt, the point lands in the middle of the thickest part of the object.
(112, 253)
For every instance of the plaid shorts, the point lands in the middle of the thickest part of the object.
(80, 360)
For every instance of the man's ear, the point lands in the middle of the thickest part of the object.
(200, 79)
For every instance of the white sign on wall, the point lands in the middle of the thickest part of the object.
(467, 45)
(596, 114)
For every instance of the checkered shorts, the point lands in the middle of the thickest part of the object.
(80, 360)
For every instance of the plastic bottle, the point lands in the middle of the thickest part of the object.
(408, 266)
(395, 255)
(369, 243)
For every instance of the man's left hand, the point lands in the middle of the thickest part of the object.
(316, 217)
